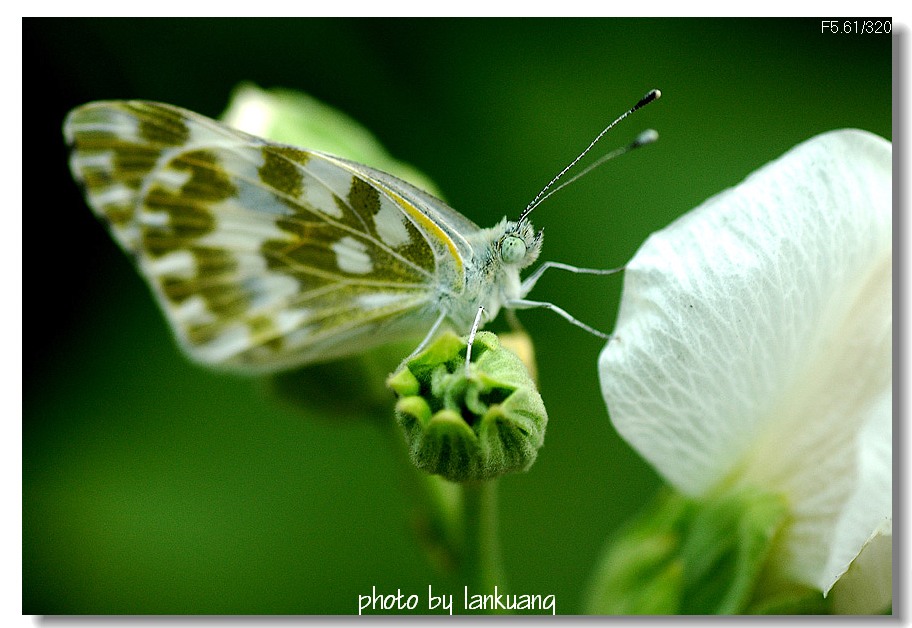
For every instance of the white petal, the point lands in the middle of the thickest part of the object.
(866, 588)
(866, 521)
(754, 336)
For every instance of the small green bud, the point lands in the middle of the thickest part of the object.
(469, 425)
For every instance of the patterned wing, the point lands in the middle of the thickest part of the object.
(263, 256)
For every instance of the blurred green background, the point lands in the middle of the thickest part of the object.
(154, 486)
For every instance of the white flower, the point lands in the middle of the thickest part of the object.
(753, 349)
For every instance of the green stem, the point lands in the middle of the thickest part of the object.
(470, 542)
(482, 567)
(436, 505)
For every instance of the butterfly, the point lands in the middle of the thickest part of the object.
(266, 257)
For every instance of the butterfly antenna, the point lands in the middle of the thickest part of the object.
(648, 136)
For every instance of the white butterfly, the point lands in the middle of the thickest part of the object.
(265, 256)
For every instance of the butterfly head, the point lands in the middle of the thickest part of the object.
(519, 245)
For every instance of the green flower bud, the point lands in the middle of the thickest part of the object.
(469, 426)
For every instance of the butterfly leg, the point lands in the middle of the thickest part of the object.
(522, 304)
(532, 279)
(514, 322)
(472, 333)
(427, 339)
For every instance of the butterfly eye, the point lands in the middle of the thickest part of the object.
(512, 250)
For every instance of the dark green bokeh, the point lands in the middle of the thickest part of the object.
(154, 486)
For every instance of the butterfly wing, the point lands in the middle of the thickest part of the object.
(264, 256)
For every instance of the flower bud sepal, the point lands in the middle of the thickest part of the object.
(704, 556)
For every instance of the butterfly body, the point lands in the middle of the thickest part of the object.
(265, 256)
